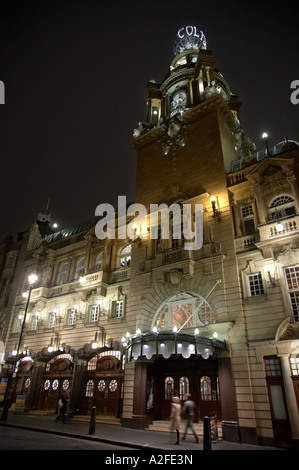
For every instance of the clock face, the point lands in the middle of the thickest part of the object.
(180, 98)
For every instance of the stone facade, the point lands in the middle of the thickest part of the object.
(95, 304)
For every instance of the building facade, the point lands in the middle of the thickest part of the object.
(124, 323)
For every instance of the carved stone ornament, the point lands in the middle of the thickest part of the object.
(174, 137)
(289, 333)
(175, 277)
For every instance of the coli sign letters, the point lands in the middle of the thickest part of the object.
(189, 30)
(189, 37)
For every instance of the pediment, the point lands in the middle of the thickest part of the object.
(272, 171)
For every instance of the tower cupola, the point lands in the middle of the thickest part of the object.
(192, 80)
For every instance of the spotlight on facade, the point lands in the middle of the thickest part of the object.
(279, 228)
(50, 347)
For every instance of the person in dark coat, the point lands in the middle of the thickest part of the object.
(188, 410)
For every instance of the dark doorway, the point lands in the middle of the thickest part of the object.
(179, 376)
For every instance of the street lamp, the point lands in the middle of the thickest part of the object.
(32, 279)
(265, 138)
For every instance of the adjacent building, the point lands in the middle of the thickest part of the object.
(205, 304)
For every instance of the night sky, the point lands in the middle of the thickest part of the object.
(75, 74)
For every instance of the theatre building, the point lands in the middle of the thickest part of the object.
(210, 308)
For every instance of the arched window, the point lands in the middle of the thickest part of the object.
(99, 261)
(205, 388)
(169, 388)
(79, 268)
(89, 388)
(184, 388)
(183, 311)
(282, 206)
(62, 274)
(125, 256)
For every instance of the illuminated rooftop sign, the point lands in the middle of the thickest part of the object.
(189, 37)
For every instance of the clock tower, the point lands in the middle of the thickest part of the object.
(188, 144)
(192, 123)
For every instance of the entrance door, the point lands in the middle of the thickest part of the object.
(53, 388)
(278, 406)
(178, 377)
(104, 386)
(56, 380)
(108, 396)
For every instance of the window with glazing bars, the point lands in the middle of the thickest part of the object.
(292, 278)
(255, 282)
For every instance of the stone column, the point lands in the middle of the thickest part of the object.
(236, 215)
(260, 204)
(35, 386)
(139, 403)
(78, 389)
(128, 398)
(230, 427)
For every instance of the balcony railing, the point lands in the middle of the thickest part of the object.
(279, 228)
(175, 254)
(119, 275)
(247, 242)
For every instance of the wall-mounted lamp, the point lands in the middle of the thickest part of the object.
(54, 343)
(135, 238)
(271, 276)
(215, 207)
(99, 339)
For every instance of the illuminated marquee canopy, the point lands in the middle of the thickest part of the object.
(172, 344)
(189, 37)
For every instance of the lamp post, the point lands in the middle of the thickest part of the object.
(32, 279)
(265, 138)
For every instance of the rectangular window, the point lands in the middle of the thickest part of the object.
(255, 283)
(71, 320)
(272, 367)
(159, 241)
(94, 313)
(52, 319)
(19, 324)
(247, 210)
(34, 322)
(292, 278)
(248, 219)
(294, 361)
(294, 296)
(119, 309)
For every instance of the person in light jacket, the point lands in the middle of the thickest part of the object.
(175, 417)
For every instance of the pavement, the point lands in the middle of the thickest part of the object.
(114, 434)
